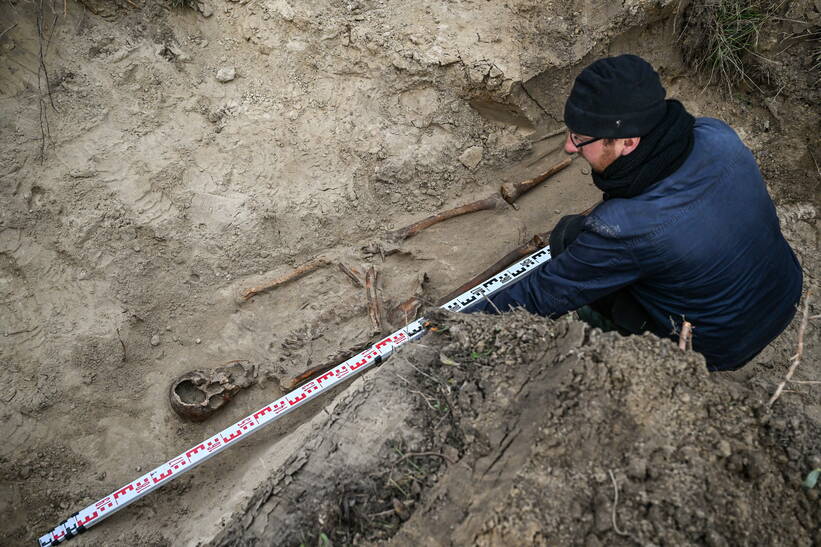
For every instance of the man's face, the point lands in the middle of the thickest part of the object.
(602, 153)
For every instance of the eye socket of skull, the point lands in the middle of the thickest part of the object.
(190, 393)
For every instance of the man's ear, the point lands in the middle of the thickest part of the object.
(629, 144)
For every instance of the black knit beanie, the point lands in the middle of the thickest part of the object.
(615, 97)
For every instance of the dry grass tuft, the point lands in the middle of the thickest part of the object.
(191, 4)
(716, 36)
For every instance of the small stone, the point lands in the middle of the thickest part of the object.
(400, 509)
(585, 170)
(476, 74)
(226, 74)
(471, 157)
(637, 468)
(756, 466)
(724, 448)
(714, 539)
(205, 9)
(155, 340)
(198, 341)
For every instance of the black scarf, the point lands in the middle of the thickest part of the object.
(659, 154)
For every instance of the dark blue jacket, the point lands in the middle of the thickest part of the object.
(702, 245)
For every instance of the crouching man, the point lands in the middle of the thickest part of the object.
(686, 230)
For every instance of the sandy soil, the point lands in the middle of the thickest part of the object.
(163, 192)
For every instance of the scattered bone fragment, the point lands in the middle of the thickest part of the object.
(408, 310)
(373, 289)
(685, 337)
(226, 74)
(471, 157)
(383, 249)
(353, 274)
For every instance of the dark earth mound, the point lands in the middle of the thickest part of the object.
(520, 431)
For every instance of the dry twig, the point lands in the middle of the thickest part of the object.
(615, 503)
(796, 359)
(415, 454)
(305, 269)
(426, 398)
(495, 307)
(42, 74)
(553, 133)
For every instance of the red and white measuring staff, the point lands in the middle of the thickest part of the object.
(131, 492)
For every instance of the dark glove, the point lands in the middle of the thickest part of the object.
(565, 232)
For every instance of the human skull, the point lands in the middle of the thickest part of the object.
(199, 393)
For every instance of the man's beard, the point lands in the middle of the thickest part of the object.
(607, 157)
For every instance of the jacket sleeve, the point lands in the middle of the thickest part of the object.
(593, 266)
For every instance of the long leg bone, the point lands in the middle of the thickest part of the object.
(492, 202)
(305, 269)
(509, 193)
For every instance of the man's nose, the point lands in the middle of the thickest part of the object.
(569, 147)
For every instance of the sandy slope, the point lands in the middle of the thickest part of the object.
(163, 192)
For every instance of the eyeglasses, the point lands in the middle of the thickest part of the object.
(578, 143)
